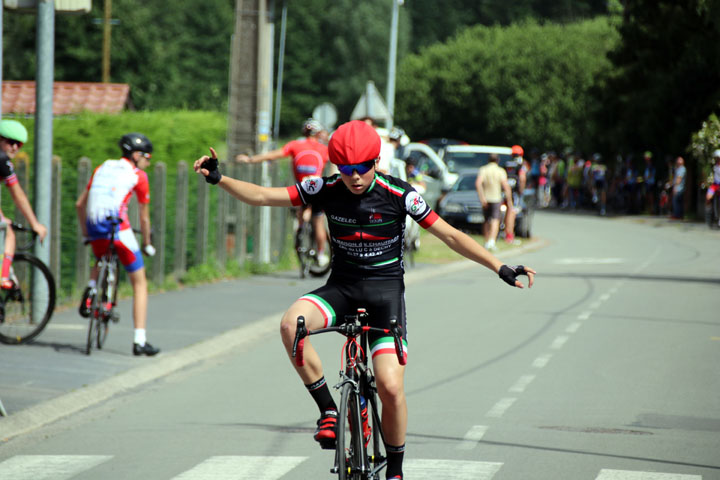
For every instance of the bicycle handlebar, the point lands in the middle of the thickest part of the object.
(350, 329)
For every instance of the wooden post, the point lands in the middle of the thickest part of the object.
(201, 234)
(241, 230)
(55, 230)
(181, 204)
(82, 270)
(159, 204)
(21, 163)
(221, 226)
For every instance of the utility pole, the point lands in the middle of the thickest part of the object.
(392, 61)
(107, 37)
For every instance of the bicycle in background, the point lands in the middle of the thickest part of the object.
(307, 253)
(26, 308)
(359, 450)
(103, 298)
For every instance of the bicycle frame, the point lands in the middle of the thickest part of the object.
(356, 373)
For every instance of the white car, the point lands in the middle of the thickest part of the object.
(463, 158)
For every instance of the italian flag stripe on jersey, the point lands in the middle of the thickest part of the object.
(393, 189)
(327, 312)
(385, 345)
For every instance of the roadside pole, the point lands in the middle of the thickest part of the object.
(44, 126)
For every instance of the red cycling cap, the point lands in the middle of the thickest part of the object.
(354, 142)
(517, 150)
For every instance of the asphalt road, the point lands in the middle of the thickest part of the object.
(607, 369)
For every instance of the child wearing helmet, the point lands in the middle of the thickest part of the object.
(367, 211)
(13, 135)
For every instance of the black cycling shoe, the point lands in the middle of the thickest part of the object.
(84, 309)
(146, 349)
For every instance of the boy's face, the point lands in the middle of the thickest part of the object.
(358, 183)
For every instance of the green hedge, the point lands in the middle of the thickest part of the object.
(176, 135)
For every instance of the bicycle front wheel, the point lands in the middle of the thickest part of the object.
(350, 446)
(26, 309)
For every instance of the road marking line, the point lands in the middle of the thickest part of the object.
(473, 437)
(500, 407)
(605, 297)
(426, 469)
(573, 327)
(559, 342)
(606, 474)
(48, 467)
(542, 360)
(235, 467)
(522, 383)
(584, 316)
(66, 326)
(594, 305)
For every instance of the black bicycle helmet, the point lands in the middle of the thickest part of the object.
(135, 142)
(311, 127)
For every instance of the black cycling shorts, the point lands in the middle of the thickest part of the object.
(383, 299)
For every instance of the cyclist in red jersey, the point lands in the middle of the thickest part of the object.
(309, 157)
(367, 211)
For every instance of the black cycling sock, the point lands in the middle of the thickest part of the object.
(394, 460)
(321, 394)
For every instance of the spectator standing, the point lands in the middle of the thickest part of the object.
(649, 179)
(714, 185)
(574, 182)
(517, 179)
(490, 184)
(679, 180)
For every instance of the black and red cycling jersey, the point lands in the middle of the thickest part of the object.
(366, 230)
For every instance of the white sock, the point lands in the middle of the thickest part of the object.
(140, 336)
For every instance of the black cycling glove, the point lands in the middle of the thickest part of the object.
(211, 165)
(510, 274)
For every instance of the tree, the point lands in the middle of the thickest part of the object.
(666, 75)
(526, 83)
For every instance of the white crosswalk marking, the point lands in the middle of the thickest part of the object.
(473, 437)
(457, 470)
(48, 467)
(606, 474)
(241, 468)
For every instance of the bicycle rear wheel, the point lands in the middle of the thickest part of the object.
(108, 303)
(303, 248)
(26, 309)
(97, 311)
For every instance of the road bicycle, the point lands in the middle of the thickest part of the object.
(356, 457)
(306, 249)
(103, 298)
(26, 308)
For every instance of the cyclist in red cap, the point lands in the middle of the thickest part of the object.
(367, 211)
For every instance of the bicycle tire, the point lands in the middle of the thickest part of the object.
(316, 270)
(103, 326)
(20, 321)
(96, 309)
(349, 443)
(302, 248)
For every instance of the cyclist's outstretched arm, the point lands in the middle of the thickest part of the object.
(470, 249)
(247, 192)
(23, 204)
(260, 157)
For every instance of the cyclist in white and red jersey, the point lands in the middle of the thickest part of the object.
(309, 157)
(13, 135)
(366, 211)
(107, 196)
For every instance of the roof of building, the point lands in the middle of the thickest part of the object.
(68, 97)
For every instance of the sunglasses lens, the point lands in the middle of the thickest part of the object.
(361, 168)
